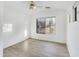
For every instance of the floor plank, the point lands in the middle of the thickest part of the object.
(36, 48)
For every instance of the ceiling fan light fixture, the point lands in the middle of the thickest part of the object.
(34, 7)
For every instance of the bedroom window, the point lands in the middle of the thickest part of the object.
(46, 25)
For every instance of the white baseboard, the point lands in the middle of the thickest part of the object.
(15, 42)
(50, 41)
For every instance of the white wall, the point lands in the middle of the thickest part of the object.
(1, 18)
(15, 13)
(60, 35)
(73, 39)
(72, 35)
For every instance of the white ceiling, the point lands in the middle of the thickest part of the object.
(59, 5)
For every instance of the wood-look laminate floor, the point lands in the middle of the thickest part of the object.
(36, 48)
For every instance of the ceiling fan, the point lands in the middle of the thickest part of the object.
(32, 5)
